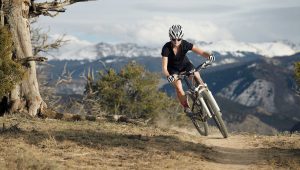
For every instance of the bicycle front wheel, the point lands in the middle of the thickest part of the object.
(216, 114)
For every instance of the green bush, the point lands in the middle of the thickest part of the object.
(10, 71)
(297, 72)
(133, 92)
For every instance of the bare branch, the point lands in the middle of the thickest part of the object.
(27, 59)
(62, 81)
(104, 65)
(64, 72)
(66, 76)
(93, 77)
(41, 43)
(82, 75)
(45, 8)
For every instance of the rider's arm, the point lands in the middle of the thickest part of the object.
(165, 66)
(200, 52)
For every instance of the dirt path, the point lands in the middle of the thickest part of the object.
(54, 144)
(250, 151)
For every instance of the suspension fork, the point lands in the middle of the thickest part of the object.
(204, 106)
(210, 97)
(200, 97)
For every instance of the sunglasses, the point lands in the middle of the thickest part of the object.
(174, 39)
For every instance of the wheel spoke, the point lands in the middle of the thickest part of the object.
(201, 126)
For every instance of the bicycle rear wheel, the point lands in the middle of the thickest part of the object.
(197, 118)
(202, 127)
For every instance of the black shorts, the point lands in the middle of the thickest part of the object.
(177, 69)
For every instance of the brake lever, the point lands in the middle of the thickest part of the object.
(206, 64)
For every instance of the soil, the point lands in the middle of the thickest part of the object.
(27, 143)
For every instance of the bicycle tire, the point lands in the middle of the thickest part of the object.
(200, 125)
(216, 114)
(220, 123)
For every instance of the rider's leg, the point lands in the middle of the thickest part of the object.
(182, 98)
(190, 67)
(180, 93)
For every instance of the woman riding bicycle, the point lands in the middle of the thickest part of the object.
(174, 61)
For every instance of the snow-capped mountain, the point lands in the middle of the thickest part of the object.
(125, 50)
(77, 50)
(247, 87)
(267, 49)
(259, 92)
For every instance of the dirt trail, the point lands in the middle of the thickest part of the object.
(55, 144)
(249, 151)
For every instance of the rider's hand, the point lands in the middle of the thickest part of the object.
(211, 58)
(171, 78)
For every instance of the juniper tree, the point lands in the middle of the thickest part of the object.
(10, 72)
(297, 72)
(15, 15)
(132, 92)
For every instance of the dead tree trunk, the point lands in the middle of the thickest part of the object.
(25, 96)
(15, 14)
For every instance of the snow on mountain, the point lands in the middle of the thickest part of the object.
(74, 49)
(259, 92)
(273, 49)
(125, 50)
(77, 49)
(267, 49)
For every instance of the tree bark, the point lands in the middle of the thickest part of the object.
(25, 96)
(15, 14)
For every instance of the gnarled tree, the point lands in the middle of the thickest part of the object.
(15, 14)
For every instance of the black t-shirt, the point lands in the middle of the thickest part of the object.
(180, 59)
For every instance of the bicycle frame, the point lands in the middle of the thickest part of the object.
(198, 92)
(206, 105)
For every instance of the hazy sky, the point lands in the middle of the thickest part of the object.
(146, 22)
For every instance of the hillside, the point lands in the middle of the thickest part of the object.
(54, 144)
(251, 96)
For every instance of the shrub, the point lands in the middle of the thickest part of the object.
(132, 92)
(10, 71)
(297, 72)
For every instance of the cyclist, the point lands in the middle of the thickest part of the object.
(174, 61)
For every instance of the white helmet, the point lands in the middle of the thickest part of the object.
(176, 32)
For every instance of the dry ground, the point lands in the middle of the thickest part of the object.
(54, 144)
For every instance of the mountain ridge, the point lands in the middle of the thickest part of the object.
(77, 50)
(255, 89)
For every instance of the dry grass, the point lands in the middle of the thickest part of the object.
(57, 144)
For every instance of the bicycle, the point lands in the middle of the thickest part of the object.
(202, 103)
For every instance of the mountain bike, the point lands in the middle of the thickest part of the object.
(202, 103)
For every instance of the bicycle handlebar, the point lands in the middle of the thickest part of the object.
(203, 65)
(198, 68)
